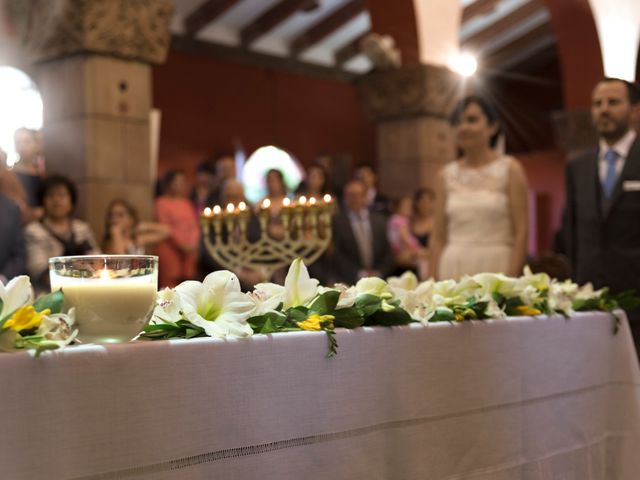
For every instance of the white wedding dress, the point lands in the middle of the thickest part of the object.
(479, 229)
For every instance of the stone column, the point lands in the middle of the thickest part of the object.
(92, 60)
(410, 107)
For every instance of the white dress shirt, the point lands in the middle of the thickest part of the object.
(361, 227)
(621, 147)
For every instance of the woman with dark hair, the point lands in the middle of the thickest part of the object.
(276, 193)
(57, 232)
(481, 212)
(423, 205)
(125, 235)
(315, 183)
(179, 252)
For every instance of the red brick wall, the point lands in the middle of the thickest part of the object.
(207, 103)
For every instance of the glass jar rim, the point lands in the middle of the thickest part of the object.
(102, 257)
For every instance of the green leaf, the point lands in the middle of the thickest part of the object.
(628, 300)
(297, 314)
(53, 301)
(397, 316)
(348, 318)
(268, 323)
(333, 343)
(443, 314)
(368, 304)
(326, 303)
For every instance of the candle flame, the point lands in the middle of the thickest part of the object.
(302, 200)
(312, 201)
(327, 198)
(207, 212)
(104, 274)
(266, 203)
(242, 206)
(217, 209)
(230, 208)
(286, 202)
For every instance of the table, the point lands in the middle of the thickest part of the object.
(528, 398)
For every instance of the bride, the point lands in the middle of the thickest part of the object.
(481, 212)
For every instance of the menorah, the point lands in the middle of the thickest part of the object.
(306, 234)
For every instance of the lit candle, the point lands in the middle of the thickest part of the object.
(207, 212)
(217, 210)
(286, 202)
(302, 200)
(113, 295)
(327, 198)
(266, 203)
(242, 206)
(312, 201)
(230, 208)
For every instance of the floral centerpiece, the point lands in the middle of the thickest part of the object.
(216, 307)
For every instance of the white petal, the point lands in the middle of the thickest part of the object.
(15, 294)
(299, 287)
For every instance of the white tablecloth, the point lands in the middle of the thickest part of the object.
(517, 399)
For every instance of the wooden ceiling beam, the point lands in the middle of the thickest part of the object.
(205, 14)
(350, 50)
(532, 41)
(502, 25)
(270, 19)
(479, 7)
(326, 26)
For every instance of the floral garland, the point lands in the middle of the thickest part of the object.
(216, 307)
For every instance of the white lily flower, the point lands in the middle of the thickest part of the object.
(58, 327)
(217, 305)
(300, 289)
(168, 307)
(407, 281)
(490, 283)
(15, 294)
(587, 292)
(539, 281)
(373, 286)
(560, 298)
(267, 297)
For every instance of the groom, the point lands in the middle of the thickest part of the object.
(602, 221)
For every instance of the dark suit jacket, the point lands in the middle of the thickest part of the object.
(346, 256)
(603, 236)
(12, 246)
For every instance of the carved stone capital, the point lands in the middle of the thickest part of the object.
(130, 29)
(574, 131)
(409, 91)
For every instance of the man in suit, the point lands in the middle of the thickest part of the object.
(12, 247)
(376, 202)
(360, 241)
(602, 221)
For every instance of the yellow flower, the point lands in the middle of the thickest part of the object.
(458, 317)
(314, 322)
(26, 318)
(526, 310)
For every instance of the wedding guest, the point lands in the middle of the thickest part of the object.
(601, 223)
(22, 182)
(481, 211)
(179, 252)
(12, 246)
(360, 242)
(276, 193)
(204, 193)
(408, 254)
(56, 233)
(124, 234)
(315, 183)
(423, 218)
(376, 202)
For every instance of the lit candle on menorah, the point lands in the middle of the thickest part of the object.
(307, 233)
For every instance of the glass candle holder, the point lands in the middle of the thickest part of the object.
(113, 295)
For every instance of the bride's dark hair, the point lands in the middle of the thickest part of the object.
(487, 110)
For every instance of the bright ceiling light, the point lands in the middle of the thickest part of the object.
(464, 63)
